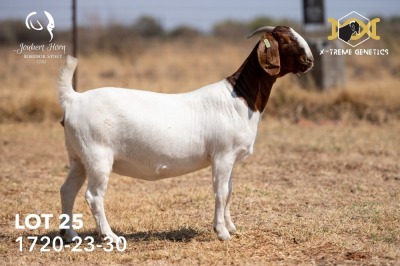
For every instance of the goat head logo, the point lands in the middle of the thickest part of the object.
(50, 25)
(353, 29)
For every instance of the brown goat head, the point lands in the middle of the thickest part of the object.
(281, 50)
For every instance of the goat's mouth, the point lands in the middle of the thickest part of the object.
(306, 66)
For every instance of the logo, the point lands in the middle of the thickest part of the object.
(40, 52)
(50, 25)
(353, 29)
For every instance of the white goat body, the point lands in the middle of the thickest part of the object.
(152, 136)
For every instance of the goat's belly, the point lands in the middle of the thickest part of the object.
(157, 171)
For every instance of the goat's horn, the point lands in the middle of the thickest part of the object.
(262, 29)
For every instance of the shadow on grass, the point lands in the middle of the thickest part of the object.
(179, 235)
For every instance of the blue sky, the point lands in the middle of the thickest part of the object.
(200, 14)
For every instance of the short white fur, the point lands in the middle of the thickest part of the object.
(152, 136)
(304, 44)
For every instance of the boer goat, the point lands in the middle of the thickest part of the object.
(349, 30)
(152, 136)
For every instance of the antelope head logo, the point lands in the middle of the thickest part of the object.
(50, 25)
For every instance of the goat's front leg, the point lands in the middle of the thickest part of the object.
(228, 221)
(221, 171)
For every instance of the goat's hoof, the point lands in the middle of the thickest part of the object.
(68, 235)
(222, 233)
(224, 236)
(109, 236)
(231, 227)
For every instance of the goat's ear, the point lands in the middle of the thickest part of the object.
(268, 54)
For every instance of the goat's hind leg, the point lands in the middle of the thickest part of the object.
(75, 179)
(98, 172)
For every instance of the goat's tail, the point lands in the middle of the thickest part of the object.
(65, 89)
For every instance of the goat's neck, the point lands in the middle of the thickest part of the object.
(251, 83)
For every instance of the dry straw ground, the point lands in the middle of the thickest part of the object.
(322, 191)
(310, 194)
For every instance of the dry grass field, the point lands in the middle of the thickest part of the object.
(323, 185)
(371, 93)
(310, 194)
